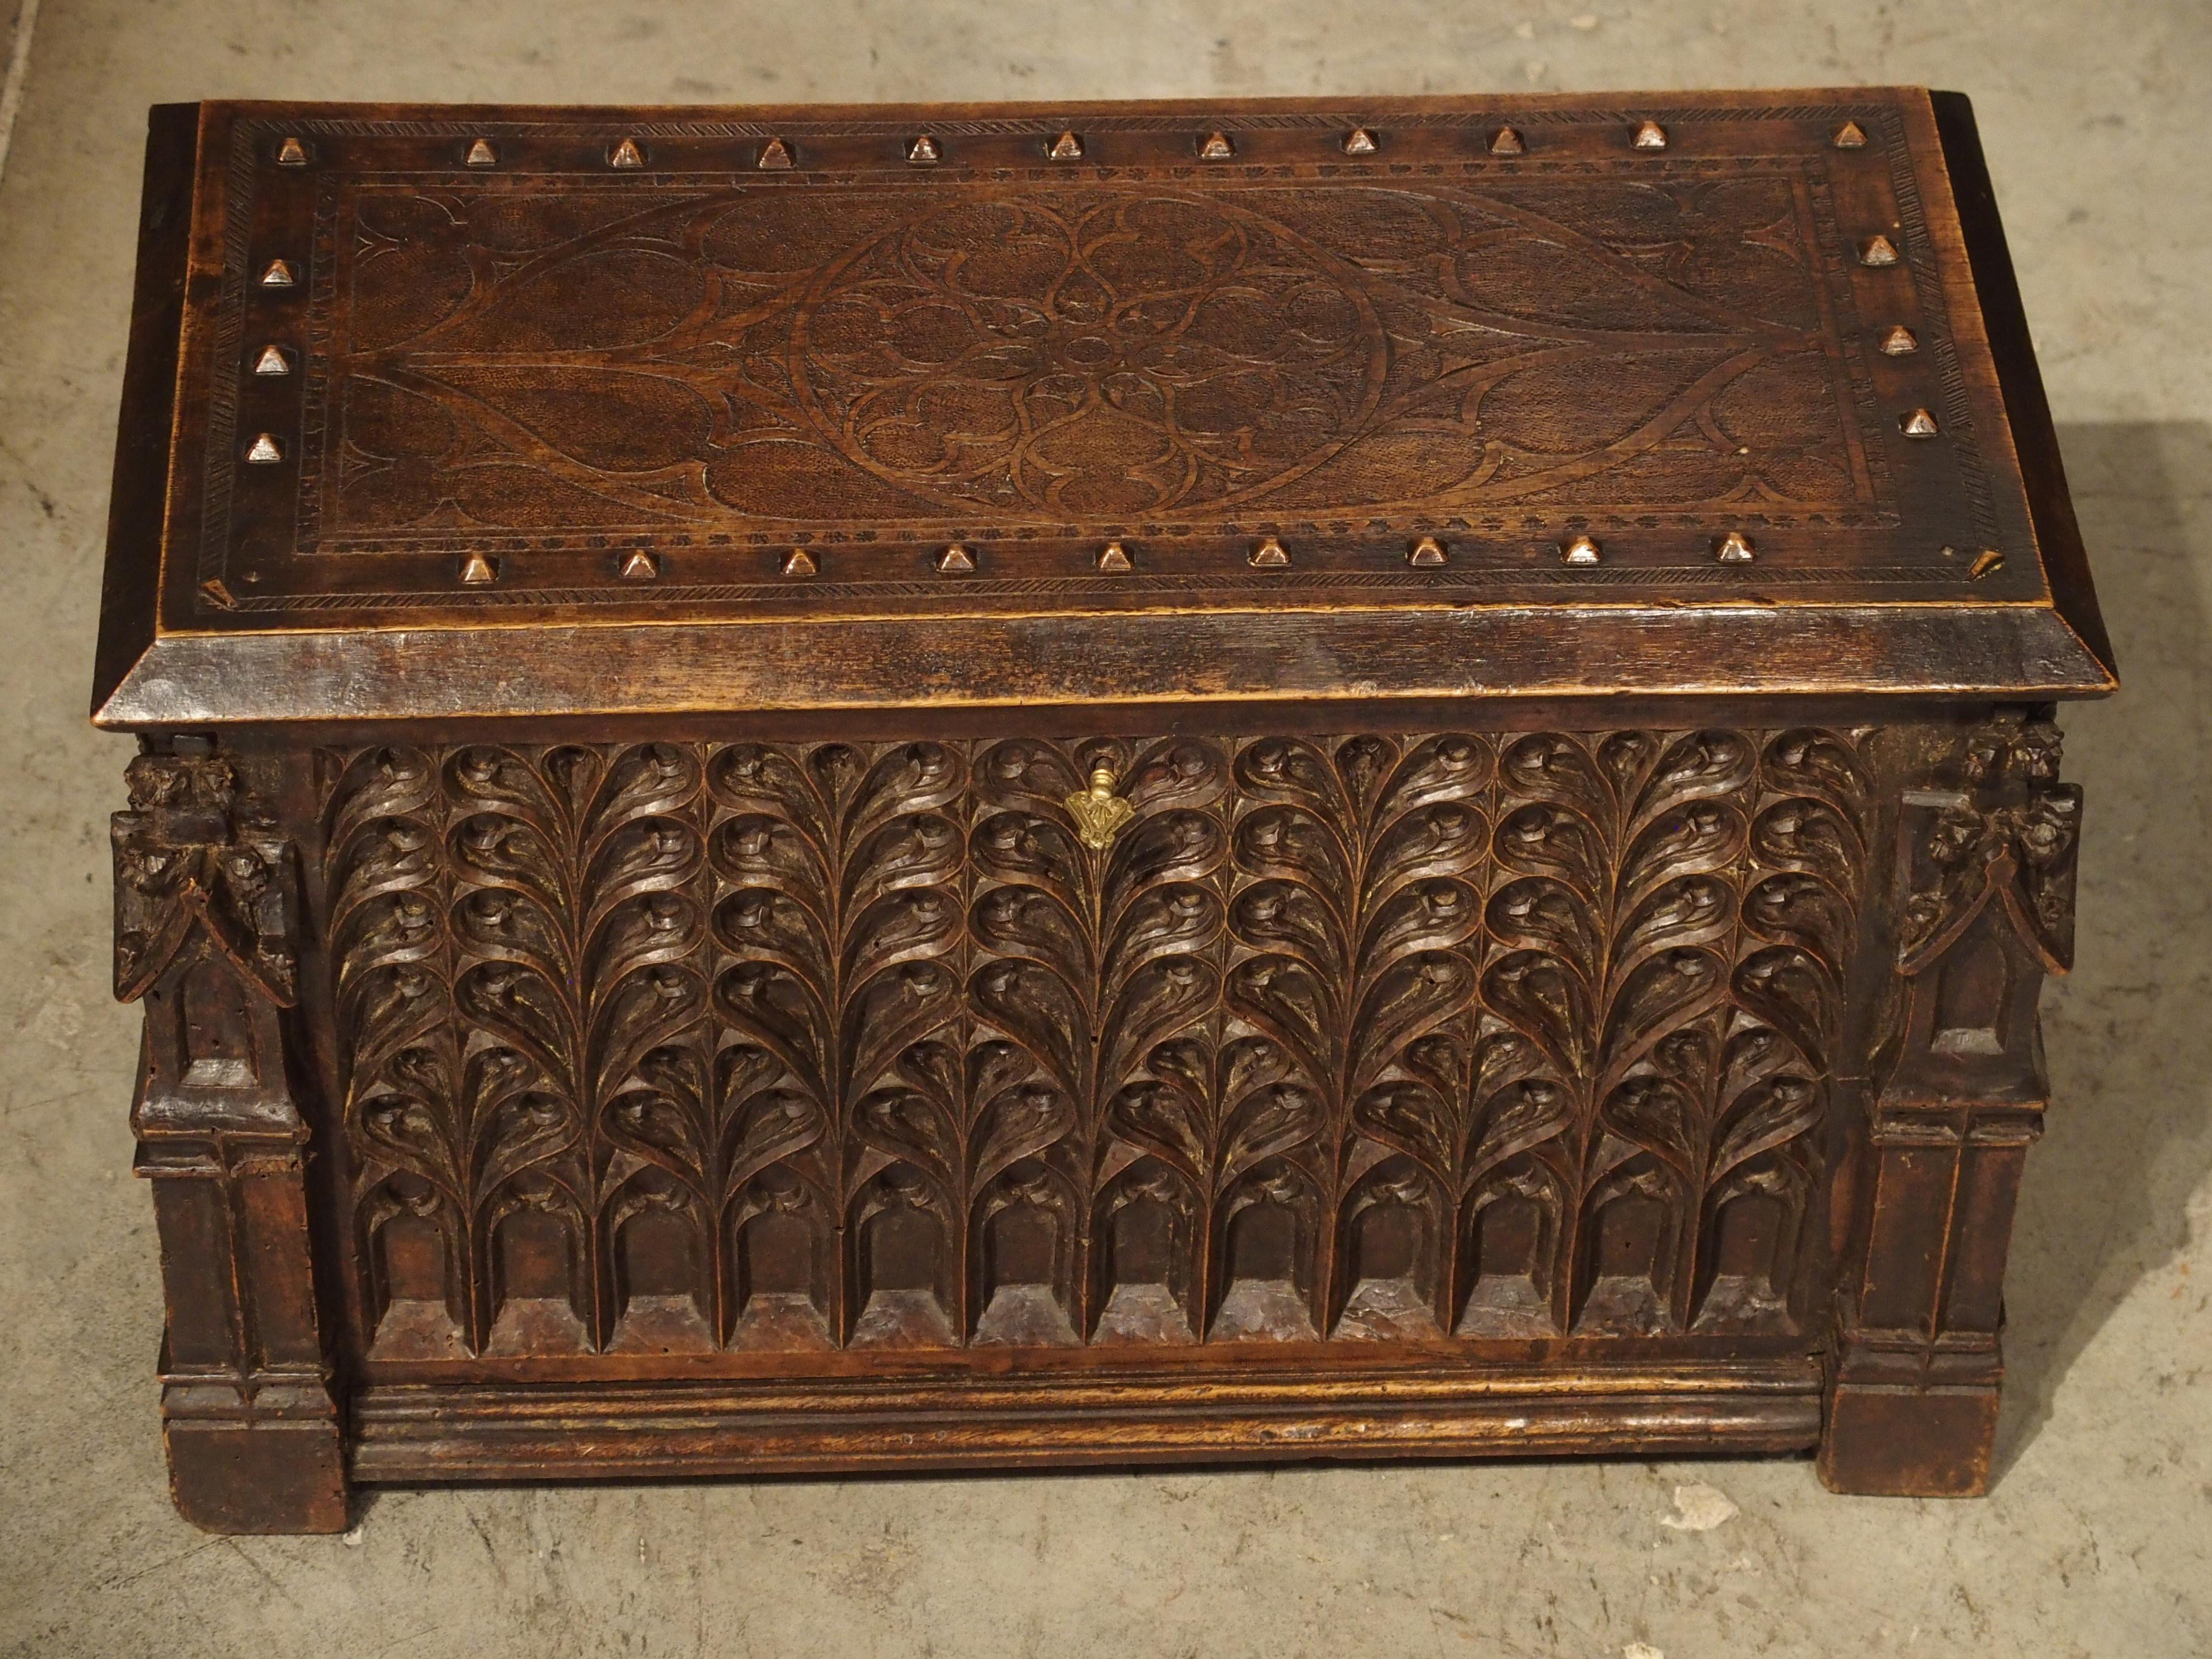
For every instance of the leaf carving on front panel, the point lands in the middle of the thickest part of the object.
(1803, 833)
(1295, 1006)
(1410, 1115)
(1017, 1122)
(1547, 1003)
(1453, 767)
(1546, 838)
(1409, 996)
(1167, 995)
(659, 1116)
(1293, 919)
(1547, 915)
(1269, 1121)
(1165, 1118)
(1791, 991)
(1516, 1119)
(1656, 993)
(1016, 846)
(1171, 919)
(1698, 838)
(1033, 923)
(1699, 766)
(647, 1007)
(1777, 1112)
(1287, 769)
(1687, 910)
(1551, 767)
(1596, 978)
(907, 924)
(1803, 910)
(1657, 1114)
(1294, 843)
(1041, 1010)
(1821, 764)
(775, 1006)
(761, 781)
(890, 1012)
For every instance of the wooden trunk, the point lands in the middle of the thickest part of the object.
(843, 789)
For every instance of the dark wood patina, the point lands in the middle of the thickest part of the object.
(999, 786)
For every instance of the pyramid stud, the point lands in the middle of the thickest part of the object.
(1899, 341)
(1850, 136)
(638, 566)
(1269, 555)
(1066, 148)
(279, 274)
(1987, 563)
(775, 157)
(1425, 554)
(477, 571)
(271, 362)
(216, 593)
(481, 155)
(1507, 141)
(800, 563)
(1877, 251)
(1735, 548)
(1918, 424)
(265, 450)
(291, 153)
(1215, 147)
(626, 154)
(955, 561)
(923, 152)
(1114, 556)
(1581, 551)
(1359, 142)
(1650, 135)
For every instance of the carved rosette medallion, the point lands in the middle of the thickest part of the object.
(1098, 353)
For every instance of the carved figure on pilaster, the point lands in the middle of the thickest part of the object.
(1986, 865)
(205, 901)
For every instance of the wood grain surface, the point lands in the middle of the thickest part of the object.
(718, 420)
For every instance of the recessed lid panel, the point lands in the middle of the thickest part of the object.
(871, 407)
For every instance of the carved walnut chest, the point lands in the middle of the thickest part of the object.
(894, 788)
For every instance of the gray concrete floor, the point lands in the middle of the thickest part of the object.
(2096, 1540)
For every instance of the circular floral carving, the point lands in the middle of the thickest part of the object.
(1100, 353)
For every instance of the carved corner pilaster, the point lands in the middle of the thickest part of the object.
(205, 901)
(1984, 882)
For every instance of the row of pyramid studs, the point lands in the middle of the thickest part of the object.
(924, 149)
(1268, 553)
(1880, 252)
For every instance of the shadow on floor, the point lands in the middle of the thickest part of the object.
(2130, 1136)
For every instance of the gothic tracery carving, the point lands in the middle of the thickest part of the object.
(777, 1045)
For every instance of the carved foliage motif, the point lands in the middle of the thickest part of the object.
(669, 1047)
(190, 860)
(1988, 865)
(1068, 352)
(2009, 842)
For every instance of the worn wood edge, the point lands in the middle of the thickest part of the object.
(139, 494)
(1484, 656)
(1627, 105)
(2020, 379)
(1108, 719)
(417, 1432)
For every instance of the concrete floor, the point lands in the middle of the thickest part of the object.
(2096, 1541)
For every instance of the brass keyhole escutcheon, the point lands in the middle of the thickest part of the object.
(1098, 812)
